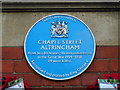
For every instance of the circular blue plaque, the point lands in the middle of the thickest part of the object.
(59, 46)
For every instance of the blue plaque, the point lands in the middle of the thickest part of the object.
(59, 46)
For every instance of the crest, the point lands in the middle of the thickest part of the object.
(59, 29)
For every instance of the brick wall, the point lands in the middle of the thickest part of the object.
(15, 64)
(102, 18)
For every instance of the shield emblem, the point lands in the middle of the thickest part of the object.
(59, 29)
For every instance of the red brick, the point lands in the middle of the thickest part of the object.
(23, 66)
(109, 52)
(7, 66)
(59, 88)
(0, 66)
(52, 88)
(97, 52)
(0, 53)
(101, 75)
(0, 76)
(33, 79)
(118, 65)
(99, 66)
(107, 75)
(113, 65)
(89, 78)
(79, 88)
(119, 76)
(12, 52)
(75, 81)
(119, 52)
(13, 75)
(63, 88)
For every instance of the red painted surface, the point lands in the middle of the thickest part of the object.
(12, 52)
(105, 61)
(109, 52)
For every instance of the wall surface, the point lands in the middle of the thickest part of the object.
(101, 18)
(104, 26)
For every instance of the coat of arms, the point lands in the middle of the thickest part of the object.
(59, 29)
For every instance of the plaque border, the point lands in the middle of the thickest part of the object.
(45, 75)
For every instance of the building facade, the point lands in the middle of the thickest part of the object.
(101, 17)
